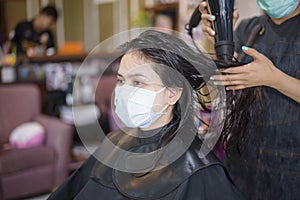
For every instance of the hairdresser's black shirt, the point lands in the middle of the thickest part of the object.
(250, 32)
(24, 36)
(189, 177)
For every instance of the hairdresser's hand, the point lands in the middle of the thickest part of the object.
(207, 20)
(260, 72)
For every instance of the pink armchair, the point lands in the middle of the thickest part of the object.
(103, 98)
(24, 172)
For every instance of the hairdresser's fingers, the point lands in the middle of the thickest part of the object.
(207, 28)
(235, 16)
(206, 22)
(235, 70)
(254, 53)
(208, 19)
(209, 34)
(236, 87)
(203, 7)
(227, 78)
(229, 82)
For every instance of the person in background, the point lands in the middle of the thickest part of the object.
(2, 46)
(263, 133)
(164, 23)
(155, 100)
(2, 42)
(34, 37)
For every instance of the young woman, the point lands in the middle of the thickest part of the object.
(158, 86)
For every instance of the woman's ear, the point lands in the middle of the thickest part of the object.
(174, 95)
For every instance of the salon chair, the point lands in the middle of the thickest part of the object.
(34, 170)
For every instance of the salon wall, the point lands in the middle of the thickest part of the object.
(106, 26)
(73, 20)
(247, 8)
(14, 12)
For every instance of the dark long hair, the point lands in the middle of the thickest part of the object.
(168, 50)
(242, 107)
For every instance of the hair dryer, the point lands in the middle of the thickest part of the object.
(223, 26)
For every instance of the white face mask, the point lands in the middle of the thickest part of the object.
(134, 106)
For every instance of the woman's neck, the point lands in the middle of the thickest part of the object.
(283, 19)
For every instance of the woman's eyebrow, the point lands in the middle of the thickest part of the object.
(136, 74)
(132, 75)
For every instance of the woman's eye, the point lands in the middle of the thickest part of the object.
(138, 83)
(120, 81)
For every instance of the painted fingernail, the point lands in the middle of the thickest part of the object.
(216, 83)
(213, 32)
(212, 18)
(245, 48)
(212, 78)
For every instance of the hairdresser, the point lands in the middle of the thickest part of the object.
(263, 145)
(34, 37)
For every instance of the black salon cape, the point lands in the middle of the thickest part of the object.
(188, 178)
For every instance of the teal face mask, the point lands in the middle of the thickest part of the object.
(278, 8)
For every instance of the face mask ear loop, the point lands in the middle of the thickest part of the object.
(159, 91)
(164, 108)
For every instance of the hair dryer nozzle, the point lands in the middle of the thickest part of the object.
(224, 49)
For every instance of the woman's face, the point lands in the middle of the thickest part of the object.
(136, 71)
